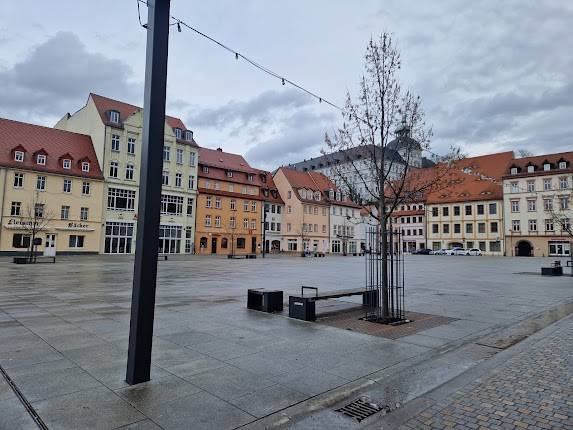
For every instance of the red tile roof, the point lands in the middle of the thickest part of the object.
(538, 161)
(56, 144)
(272, 192)
(224, 160)
(105, 104)
(491, 165)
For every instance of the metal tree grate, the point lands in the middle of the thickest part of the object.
(360, 409)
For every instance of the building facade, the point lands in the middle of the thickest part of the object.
(410, 221)
(230, 204)
(347, 228)
(52, 191)
(116, 132)
(272, 216)
(538, 199)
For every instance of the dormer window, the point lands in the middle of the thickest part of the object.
(513, 171)
(188, 135)
(530, 168)
(205, 169)
(317, 196)
(41, 159)
(114, 116)
(563, 164)
(67, 163)
(229, 174)
(19, 156)
(85, 166)
(250, 177)
(547, 167)
(177, 133)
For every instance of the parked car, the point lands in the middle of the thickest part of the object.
(453, 251)
(473, 251)
(423, 251)
(461, 251)
(439, 252)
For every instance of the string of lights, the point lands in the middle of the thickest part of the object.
(238, 56)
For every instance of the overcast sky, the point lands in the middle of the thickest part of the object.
(493, 75)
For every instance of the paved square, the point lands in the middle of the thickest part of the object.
(64, 331)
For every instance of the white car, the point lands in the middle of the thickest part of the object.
(439, 252)
(453, 251)
(473, 251)
(460, 251)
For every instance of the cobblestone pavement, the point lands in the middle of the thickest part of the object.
(532, 390)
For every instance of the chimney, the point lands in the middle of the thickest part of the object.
(220, 149)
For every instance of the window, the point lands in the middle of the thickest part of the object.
(131, 145)
(67, 185)
(67, 163)
(120, 200)
(208, 201)
(289, 194)
(493, 227)
(191, 183)
(229, 174)
(434, 211)
(217, 221)
(41, 159)
(245, 205)
(457, 228)
(253, 206)
(481, 246)
(190, 202)
(114, 116)
(192, 159)
(480, 209)
(530, 169)
(165, 178)
(469, 228)
(19, 156)
(118, 237)
(232, 222)
(548, 204)
(86, 188)
(41, 183)
(532, 225)
(564, 203)
(531, 205)
(515, 225)
(115, 142)
(513, 171)
(245, 223)
(231, 188)
(250, 177)
(435, 228)
(188, 135)
(289, 209)
(253, 224)
(562, 164)
(241, 243)
(446, 228)
(179, 156)
(495, 246)
(217, 202)
(207, 220)
(515, 187)
(76, 241)
(18, 180)
(217, 185)
(39, 210)
(84, 213)
(15, 209)
(566, 225)
(129, 170)
(177, 133)
(233, 204)
(481, 227)
(171, 205)
(547, 166)
(515, 206)
(446, 211)
(563, 183)
(530, 186)
(85, 166)
(323, 227)
(292, 245)
(456, 211)
(289, 227)
(20, 240)
(178, 178)
(166, 153)
(205, 169)
(113, 169)
(547, 184)
(468, 210)
(278, 209)
(549, 225)
(493, 208)
(65, 212)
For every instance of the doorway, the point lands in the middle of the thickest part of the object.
(254, 245)
(213, 245)
(523, 249)
(50, 247)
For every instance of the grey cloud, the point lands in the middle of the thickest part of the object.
(57, 76)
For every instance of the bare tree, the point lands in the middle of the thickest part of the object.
(36, 218)
(523, 153)
(370, 120)
(561, 216)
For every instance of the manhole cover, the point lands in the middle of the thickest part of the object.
(360, 409)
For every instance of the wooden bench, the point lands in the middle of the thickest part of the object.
(36, 259)
(303, 308)
(245, 256)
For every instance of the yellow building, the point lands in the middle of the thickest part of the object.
(51, 190)
(116, 131)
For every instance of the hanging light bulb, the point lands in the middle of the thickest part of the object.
(178, 26)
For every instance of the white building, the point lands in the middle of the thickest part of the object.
(347, 228)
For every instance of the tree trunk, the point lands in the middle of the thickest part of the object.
(384, 252)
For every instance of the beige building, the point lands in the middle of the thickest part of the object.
(52, 190)
(468, 211)
(538, 205)
(116, 131)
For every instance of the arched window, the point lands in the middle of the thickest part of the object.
(203, 242)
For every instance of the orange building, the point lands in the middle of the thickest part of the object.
(230, 203)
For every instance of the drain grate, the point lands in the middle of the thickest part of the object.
(360, 409)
